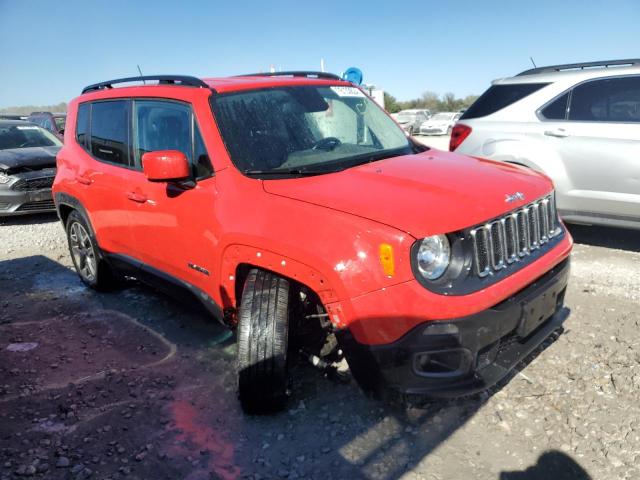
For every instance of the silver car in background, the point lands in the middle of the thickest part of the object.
(440, 124)
(410, 120)
(578, 123)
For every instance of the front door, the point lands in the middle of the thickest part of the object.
(168, 219)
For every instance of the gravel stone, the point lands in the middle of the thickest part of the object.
(573, 405)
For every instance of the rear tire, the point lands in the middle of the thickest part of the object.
(87, 258)
(263, 334)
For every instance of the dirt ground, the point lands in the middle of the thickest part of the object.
(136, 385)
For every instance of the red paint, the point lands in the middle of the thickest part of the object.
(165, 165)
(324, 231)
(201, 437)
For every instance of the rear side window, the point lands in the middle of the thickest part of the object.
(47, 123)
(498, 97)
(109, 131)
(60, 122)
(607, 100)
(37, 120)
(82, 124)
(556, 110)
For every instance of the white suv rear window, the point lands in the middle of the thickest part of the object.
(498, 97)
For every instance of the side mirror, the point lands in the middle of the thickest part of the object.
(166, 166)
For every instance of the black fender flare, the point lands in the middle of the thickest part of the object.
(72, 202)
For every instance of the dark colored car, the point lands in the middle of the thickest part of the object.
(27, 168)
(54, 122)
(11, 116)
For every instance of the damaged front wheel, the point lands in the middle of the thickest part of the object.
(263, 335)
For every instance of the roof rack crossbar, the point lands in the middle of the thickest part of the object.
(181, 80)
(296, 73)
(580, 66)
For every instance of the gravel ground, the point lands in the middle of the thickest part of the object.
(133, 385)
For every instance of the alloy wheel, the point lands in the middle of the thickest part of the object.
(82, 251)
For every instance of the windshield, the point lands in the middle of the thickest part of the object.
(23, 136)
(60, 121)
(442, 116)
(305, 129)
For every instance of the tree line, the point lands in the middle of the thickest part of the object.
(27, 109)
(431, 101)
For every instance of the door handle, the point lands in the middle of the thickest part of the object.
(83, 180)
(137, 197)
(556, 132)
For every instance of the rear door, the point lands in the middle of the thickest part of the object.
(173, 225)
(599, 143)
(101, 178)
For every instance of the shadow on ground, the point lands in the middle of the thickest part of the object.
(551, 465)
(31, 219)
(165, 406)
(609, 237)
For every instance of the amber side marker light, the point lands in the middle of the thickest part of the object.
(386, 259)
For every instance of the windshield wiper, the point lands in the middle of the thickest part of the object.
(369, 158)
(300, 172)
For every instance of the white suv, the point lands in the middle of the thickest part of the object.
(578, 123)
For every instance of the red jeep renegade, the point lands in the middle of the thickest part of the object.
(295, 209)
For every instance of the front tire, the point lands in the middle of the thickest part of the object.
(87, 258)
(263, 334)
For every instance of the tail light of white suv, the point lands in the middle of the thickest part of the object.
(458, 135)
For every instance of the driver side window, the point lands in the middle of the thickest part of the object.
(165, 125)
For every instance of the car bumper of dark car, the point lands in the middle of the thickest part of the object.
(459, 357)
(22, 202)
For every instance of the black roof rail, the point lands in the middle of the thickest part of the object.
(580, 66)
(300, 73)
(181, 80)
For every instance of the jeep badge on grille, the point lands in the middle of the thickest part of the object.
(513, 197)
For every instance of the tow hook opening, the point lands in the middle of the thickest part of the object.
(442, 363)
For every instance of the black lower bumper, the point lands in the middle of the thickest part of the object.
(458, 357)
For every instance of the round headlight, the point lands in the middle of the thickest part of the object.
(434, 254)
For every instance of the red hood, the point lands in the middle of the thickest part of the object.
(432, 192)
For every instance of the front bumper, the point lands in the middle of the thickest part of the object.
(27, 193)
(446, 359)
(433, 131)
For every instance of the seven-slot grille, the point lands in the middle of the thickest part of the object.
(499, 243)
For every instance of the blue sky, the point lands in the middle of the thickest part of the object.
(51, 49)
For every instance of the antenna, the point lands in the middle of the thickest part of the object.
(534, 63)
(140, 71)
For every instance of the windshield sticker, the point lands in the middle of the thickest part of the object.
(347, 91)
(26, 127)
